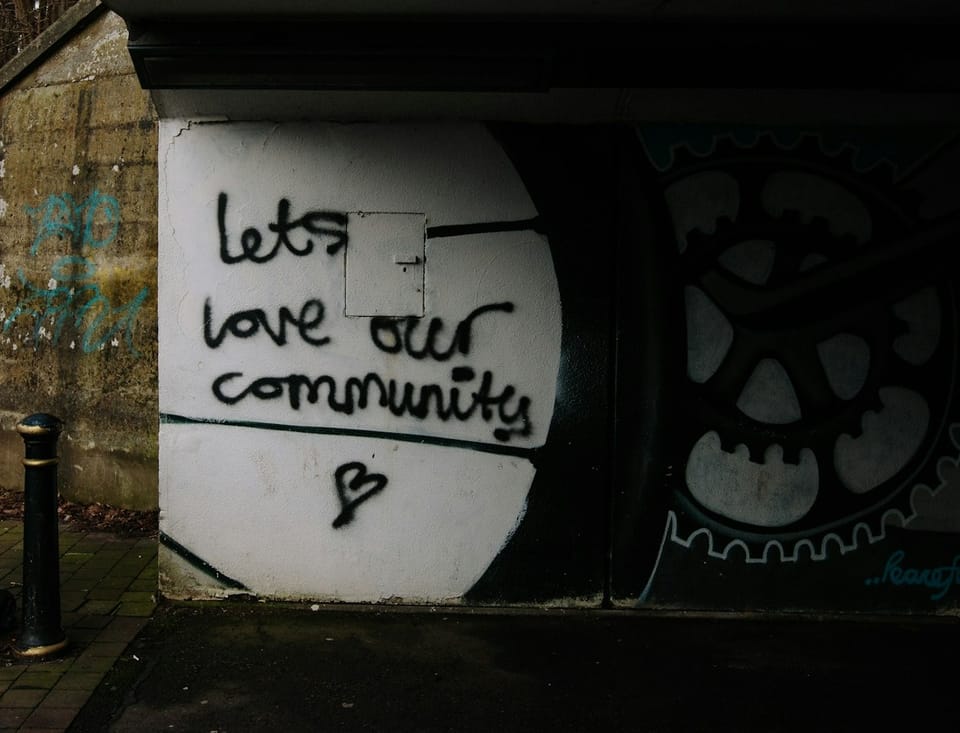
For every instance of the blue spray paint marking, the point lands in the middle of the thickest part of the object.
(941, 579)
(92, 223)
(71, 297)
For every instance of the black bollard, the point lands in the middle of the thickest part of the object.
(41, 633)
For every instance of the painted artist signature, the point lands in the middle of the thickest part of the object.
(939, 579)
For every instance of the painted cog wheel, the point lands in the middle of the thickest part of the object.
(821, 348)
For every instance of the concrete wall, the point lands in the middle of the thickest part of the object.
(667, 366)
(78, 265)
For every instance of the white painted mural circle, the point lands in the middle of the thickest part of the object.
(359, 347)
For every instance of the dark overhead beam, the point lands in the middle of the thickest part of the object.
(538, 55)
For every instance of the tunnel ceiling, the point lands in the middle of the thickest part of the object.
(537, 46)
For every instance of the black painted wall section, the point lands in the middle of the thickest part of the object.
(560, 549)
(757, 405)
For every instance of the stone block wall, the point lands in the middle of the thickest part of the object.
(78, 222)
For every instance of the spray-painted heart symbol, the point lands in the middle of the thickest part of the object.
(357, 490)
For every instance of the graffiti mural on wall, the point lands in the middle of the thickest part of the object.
(353, 492)
(263, 352)
(821, 358)
(72, 300)
(401, 398)
(811, 457)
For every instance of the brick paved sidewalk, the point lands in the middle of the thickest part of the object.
(107, 590)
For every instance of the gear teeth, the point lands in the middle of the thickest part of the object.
(819, 228)
(871, 403)
(810, 146)
(844, 157)
(686, 156)
(755, 451)
(684, 526)
(727, 445)
(814, 233)
(724, 224)
(725, 228)
(726, 146)
(883, 172)
(791, 454)
(768, 139)
(854, 428)
(697, 238)
(898, 326)
(791, 219)
(819, 223)
(749, 158)
(848, 241)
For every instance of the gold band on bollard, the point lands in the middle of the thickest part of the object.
(37, 430)
(38, 462)
(40, 651)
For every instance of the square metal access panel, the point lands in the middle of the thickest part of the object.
(385, 264)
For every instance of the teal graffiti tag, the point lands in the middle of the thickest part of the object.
(92, 223)
(940, 579)
(71, 296)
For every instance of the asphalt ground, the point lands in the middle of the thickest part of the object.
(241, 665)
(248, 666)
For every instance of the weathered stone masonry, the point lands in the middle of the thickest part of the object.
(78, 201)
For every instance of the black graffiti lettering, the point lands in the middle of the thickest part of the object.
(296, 383)
(381, 324)
(217, 388)
(394, 335)
(326, 226)
(247, 323)
(265, 388)
(461, 374)
(429, 342)
(522, 414)
(435, 393)
(314, 222)
(353, 492)
(405, 403)
(510, 413)
(483, 399)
